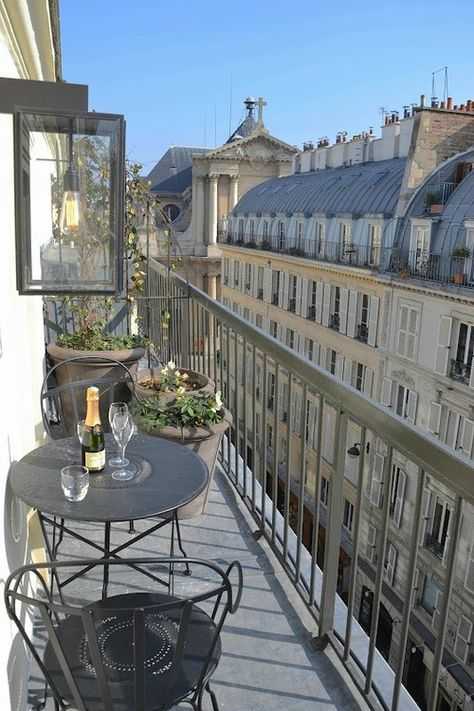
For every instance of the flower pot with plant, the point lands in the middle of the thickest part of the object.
(432, 203)
(460, 254)
(197, 421)
(164, 382)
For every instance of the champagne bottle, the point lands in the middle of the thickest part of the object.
(93, 443)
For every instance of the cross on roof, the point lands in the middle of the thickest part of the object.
(260, 103)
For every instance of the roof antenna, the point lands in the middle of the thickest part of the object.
(446, 88)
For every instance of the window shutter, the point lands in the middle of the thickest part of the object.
(463, 639)
(442, 349)
(426, 508)
(391, 563)
(444, 560)
(352, 314)
(343, 307)
(368, 378)
(436, 613)
(297, 345)
(283, 293)
(386, 394)
(297, 412)
(316, 349)
(407, 331)
(339, 365)
(469, 582)
(412, 334)
(471, 377)
(347, 371)
(326, 304)
(370, 547)
(400, 497)
(279, 332)
(467, 436)
(242, 276)
(376, 485)
(267, 285)
(322, 356)
(304, 297)
(373, 320)
(434, 417)
(254, 280)
(415, 596)
(319, 301)
(411, 405)
(311, 423)
(298, 297)
(327, 445)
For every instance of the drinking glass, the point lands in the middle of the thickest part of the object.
(80, 430)
(123, 428)
(117, 408)
(75, 482)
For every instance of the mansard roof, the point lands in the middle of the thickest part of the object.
(361, 189)
(173, 172)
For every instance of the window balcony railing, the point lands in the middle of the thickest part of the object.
(434, 545)
(460, 371)
(297, 538)
(362, 332)
(403, 264)
(334, 321)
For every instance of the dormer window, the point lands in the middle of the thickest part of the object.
(420, 238)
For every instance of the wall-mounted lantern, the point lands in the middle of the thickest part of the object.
(69, 197)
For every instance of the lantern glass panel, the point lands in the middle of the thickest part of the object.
(69, 202)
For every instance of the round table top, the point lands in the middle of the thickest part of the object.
(167, 477)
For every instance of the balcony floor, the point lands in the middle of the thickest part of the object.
(267, 662)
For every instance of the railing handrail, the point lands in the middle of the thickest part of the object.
(436, 458)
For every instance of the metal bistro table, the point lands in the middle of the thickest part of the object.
(167, 477)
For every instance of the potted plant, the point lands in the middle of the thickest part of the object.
(164, 382)
(460, 254)
(197, 421)
(432, 203)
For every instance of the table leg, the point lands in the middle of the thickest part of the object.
(106, 555)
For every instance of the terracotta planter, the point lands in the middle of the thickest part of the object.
(460, 278)
(206, 385)
(204, 442)
(93, 370)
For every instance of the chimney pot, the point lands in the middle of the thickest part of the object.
(455, 107)
(469, 105)
(461, 107)
(449, 105)
(442, 105)
(422, 100)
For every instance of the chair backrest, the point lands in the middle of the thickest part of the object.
(122, 651)
(63, 392)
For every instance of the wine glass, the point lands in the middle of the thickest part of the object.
(117, 408)
(123, 428)
(80, 429)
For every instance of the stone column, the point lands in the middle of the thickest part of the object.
(234, 192)
(213, 209)
(199, 232)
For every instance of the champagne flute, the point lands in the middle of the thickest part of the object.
(123, 428)
(115, 409)
(80, 429)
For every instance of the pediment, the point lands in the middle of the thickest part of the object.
(259, 149)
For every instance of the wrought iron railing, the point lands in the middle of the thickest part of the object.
(281, 492)
(460, 371)
(403, 264)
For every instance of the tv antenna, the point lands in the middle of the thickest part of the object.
(445, 88)
(383, 112)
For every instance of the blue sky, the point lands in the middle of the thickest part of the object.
(323, 66)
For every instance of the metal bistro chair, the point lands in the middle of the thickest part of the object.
(133, 651)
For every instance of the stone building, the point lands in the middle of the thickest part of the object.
(350, 261)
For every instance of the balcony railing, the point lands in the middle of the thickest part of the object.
(460, 371)
(434, 545)
(416, 264)
(286, 508)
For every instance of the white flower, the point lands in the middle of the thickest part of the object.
(219, 402)
(171, 365)
(180, 391)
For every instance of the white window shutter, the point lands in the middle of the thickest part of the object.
(462, 643)
(343, 308)
(386, 393)
(391, 564)
(370, 547)
(254, 280)
(297, 413)
(444, 559)
(373, 320)
(267, 285)
(327, 444)
(326, 304)
(426, 515)
(444, 342)
(297, 345)
(434, 417)
(467, 437)
(400, 498)
(412, 402)
(339, 365)
(469, 582)
(352, 314)
(368, 378)
(323, 357)
(377, 475)
(304, 297)
(298, 296)
(316, 349)
(242, 276)
(436, 611)
(415, 596)
(471, 377)
(412, 333)
(283, 292)
(319, 301)
(347, 370)
(402, 330)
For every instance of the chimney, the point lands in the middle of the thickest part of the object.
(387, 120)
(462, 107)
(449, 105)
(406, 112)
(434, 102)
(442, 105)
(422, 100)
(371, 131)
(469, 105)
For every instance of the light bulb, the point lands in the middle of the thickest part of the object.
(70, 216)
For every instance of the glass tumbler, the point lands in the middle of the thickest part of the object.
(75, 482)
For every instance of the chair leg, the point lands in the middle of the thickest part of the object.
(180, 545)
(60, 537)
(131, 527)
(215, 705)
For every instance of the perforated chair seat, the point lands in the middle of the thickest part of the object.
(113, 622)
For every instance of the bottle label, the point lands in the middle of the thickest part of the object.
(95, 461)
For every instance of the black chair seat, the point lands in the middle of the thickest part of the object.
(113, 622)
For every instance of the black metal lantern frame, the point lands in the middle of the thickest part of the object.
(69, 202)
